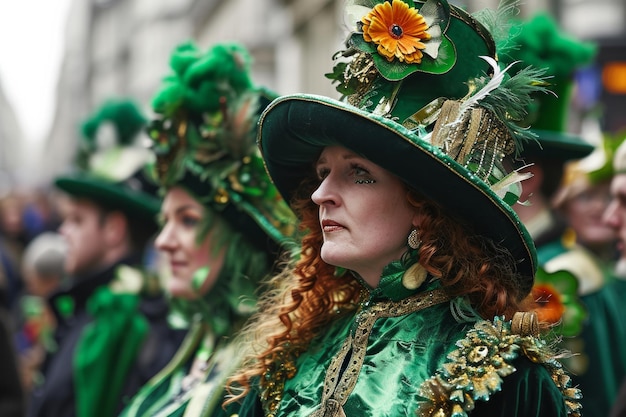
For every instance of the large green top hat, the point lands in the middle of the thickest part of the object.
(422, 106)
(540, 43)
(111, 162)
(204, 140)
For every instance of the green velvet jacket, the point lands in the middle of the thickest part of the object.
(402, 353)
(163, 395)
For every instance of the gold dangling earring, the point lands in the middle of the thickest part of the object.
(415, 275)
(414, 240)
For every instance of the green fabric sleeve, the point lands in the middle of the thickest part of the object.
(529, 391)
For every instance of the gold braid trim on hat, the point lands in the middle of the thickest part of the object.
(476, 136)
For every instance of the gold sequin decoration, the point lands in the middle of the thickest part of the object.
(475, 370)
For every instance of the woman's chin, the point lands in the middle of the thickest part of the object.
(179, 290)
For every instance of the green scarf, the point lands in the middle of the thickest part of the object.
(106, 351)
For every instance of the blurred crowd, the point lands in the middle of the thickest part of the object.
(32, 254)
(96, 259)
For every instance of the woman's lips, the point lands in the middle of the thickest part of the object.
(331, 226)
(176, 266)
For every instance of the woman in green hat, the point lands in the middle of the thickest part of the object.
(407, 295)
(222, 221)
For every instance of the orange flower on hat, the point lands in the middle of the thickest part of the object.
(398, 30)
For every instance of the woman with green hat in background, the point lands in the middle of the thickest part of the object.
(406, 296)
(540, 43)
(222, 221)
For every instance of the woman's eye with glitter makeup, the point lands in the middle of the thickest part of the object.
(189, 220)
(361, 175)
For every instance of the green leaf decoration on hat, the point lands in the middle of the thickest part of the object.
(397, 39)
(205, 137)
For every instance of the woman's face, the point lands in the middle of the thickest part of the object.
(364, 213)
(182, 217)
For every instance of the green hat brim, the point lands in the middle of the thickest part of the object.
(294, 129)
(556, 145)
(111, 195)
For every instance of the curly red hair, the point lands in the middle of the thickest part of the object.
(308, 296)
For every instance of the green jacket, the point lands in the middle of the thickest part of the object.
(402, 353)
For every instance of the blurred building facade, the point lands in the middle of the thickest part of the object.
(121, 47)
(11, 145)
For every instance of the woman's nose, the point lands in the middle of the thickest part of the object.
(325, 193)
(610, 216)
(166, 239)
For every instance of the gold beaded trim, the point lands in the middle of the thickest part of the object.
(337, 385)
(475, 370)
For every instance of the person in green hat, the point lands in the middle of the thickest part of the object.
(223, 223)
(596, 364)
(407, 294)
(540, 43)
(112, 332)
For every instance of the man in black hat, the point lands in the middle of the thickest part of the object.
(112, 333)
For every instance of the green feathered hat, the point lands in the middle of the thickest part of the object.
(204, 140)
(427, 101)
(111, 162)
(540, 43)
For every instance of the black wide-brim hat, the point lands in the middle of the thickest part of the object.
(294, 130)
(135, 196)
(556, 145)
(111, 163)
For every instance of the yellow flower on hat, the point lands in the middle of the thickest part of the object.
(398, 30)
